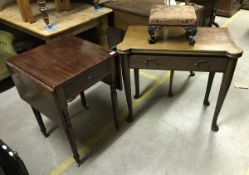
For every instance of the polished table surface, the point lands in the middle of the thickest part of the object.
(47, 76)
(215, 41)
(82, 17)
(213, 52)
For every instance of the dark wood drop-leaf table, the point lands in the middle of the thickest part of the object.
(47, 76)
(213, 52)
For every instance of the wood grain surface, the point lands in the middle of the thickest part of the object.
(208, 40)
(80, 14)
(68, 57)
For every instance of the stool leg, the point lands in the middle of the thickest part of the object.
(209, 86)
(190, 33)
(136, 78)
(170, 93)
(83, 100)
(40, 122)
(152, 29)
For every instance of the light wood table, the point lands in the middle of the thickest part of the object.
(213, 52)
(81, 18)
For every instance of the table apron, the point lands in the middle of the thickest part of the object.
(88, 79)
(195, 63)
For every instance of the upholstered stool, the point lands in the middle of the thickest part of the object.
(163, 15)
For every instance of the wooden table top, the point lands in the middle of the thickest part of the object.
(81, 13)
(209, 41)
(138, 7)
(59, 61)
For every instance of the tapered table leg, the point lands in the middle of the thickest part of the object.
(226, 81)
(209, 86)
(136, 79)
(83, 100)
(40, 122)
(127, 85)
(170, 93)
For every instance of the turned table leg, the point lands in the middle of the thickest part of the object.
(43, 10)
(225, 84)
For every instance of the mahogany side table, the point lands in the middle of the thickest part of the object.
(48, 75)
(214, 52)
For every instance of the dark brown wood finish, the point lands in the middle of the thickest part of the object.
(228, 7)
(218, 54)
(47, 76)
(245, 4)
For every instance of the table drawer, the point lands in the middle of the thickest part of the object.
(87, 79)
(217, 64)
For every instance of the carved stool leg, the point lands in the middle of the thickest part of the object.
(83, 100)
(40, 122)
(152, 29)
(170, 93)
(136, 78)
(190, 33)
(209, 86)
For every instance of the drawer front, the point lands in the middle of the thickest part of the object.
(88, 79)
(217, 64)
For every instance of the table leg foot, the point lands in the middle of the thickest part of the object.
(192, 73)
(136, 96)
(170, 94)
(215, 127)
(77, 160)
(206, 103)
(40, 122)
(129, 119)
